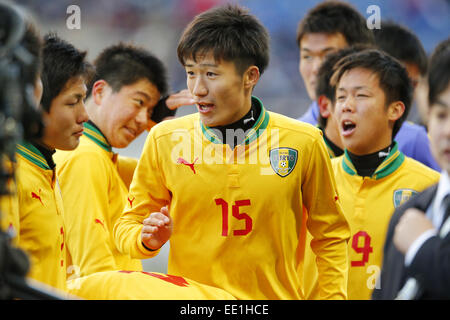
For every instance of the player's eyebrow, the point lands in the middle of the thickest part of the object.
(146, 96)
(322, 50)
(442, 103)
(78, 95)
(353, 88)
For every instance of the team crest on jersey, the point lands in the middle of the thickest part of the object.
(283, 160)
(402, 195)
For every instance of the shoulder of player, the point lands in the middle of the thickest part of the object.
(86, 155)
(83, 151)
(296, 126)
(417, 168)
(28, 175)
(337, 160)
(167, 127)
(336, 165)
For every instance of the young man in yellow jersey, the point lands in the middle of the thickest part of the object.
(236, 178)
(333, 25)
(9, 209)
(326, 100)
(373, 97)
(42, 232)
(128, 84)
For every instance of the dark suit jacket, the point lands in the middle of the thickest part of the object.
(431, 265)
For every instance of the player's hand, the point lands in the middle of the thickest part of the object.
(157, 229)
(410, 226)
(179, 99)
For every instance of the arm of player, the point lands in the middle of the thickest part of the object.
(157, 229)
(326, 223)
(147, 194)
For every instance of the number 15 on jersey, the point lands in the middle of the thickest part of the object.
(237, 214)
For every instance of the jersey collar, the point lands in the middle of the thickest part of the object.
(258, 128)
(93, 133)
(31, 153)
(388, 166)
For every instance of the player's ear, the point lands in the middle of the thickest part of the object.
(98, 91)
(324, 106)
(251, 77)
(395, 110)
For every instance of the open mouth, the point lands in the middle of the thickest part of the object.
(205, 107)
(348, 127)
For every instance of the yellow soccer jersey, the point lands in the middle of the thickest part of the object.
(126, 167)
(41, 211)
(238, 213)
(368, 204)
(138, 285)
(94, 197)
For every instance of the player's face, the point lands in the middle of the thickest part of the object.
(219, 91)
(365, 123)
(125, 113)
(313, 49)
(439, 129)
(64, 121)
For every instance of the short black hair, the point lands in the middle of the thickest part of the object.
(438, 74)
(231, 34)
(62, 62)
(323, 87)
(335, 17)
(392, 77)
(124, 64)
(401, 43)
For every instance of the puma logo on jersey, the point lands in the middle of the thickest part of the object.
(35, 196)
(131, 201)
(190, 165)
(99, 222)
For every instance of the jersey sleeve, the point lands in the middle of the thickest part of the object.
(147, 194)
(84, 187)
(126, 167)
(326, 223)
